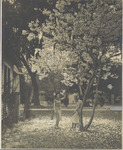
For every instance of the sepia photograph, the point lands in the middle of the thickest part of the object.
(61, 74)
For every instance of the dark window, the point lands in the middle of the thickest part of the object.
(6, 79)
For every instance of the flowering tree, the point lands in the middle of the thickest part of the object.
(89, 31)
(49, 63)
(98, 36)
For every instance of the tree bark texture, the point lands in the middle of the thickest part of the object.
(95, 101)
(84, 98)
(34, 82)
(28, 98)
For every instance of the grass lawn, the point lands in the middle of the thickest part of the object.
(104, 133)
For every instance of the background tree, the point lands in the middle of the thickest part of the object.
(16, 17)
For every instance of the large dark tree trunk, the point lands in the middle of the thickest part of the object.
(34, 82)
(35, 90)
(28, 98)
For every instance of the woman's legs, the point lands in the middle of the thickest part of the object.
(57, 119)
(73, 125)
(57, 122)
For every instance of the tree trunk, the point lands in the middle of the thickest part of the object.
(34, 82)
(91, 119)
(95, 104)
(28, 97)
(54, 91)
(35, 90)
(80, 91)
(84, 99)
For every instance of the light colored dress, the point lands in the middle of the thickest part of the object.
(76, 116)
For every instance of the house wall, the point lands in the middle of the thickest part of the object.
(10, 66)
(15, 80)
(11, 99)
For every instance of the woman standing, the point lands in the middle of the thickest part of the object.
(57, 109)
(76, 113)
